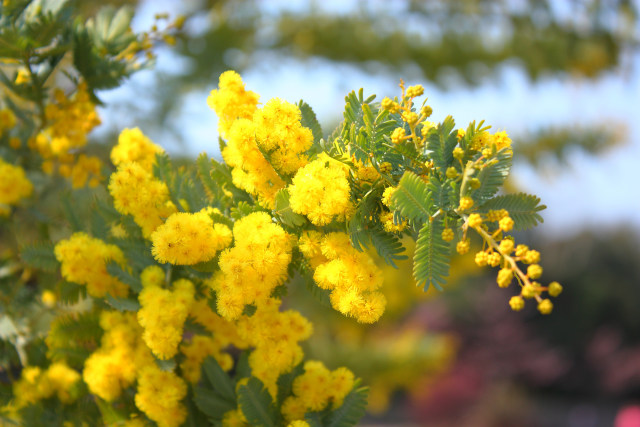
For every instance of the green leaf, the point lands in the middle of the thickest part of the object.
(388, 245)
(351, 411)
(218, 379)
(133, 281)
(285, 383)
(70, 212)
(442, 143)
(122, 304)
(216, 395)
(412, 198)
(492, 176)
(211, 404)
(431, 259)
(283, 211)
(203, 165)
(309, 120)
(256, 404)
(40, 255)
(523, 209)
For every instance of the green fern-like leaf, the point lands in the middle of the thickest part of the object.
(431, 259)
(309, 120)
(442, 143)
(123, 304)
(492, 177)
(285, 383)
(204, 173)
(388, 245)
(216, 395)
(283, 211)
(523, 209)
(40, 256)
(412, 198)
(114, 269)
(256, 404)
(351, 411)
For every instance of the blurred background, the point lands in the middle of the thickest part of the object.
(561, 77)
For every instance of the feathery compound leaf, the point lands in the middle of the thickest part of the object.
(523, 209)
(283, 211)
(40, 255)
(114, 269)
(256, 404)
(412, 198)
(219, 381)
(388, 246)
(285, 383)
(309, 120)
(442, 143)
(216, 395)
(431, 259)
(204, 173)
(352, 409)
(123, 304)
(492, 176)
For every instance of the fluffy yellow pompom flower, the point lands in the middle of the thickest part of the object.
(14, 184)
(162, 315)
(275, 336)
(231, 101)
(159, 395)
(279, 132)
(134, 146)
(353, 279)
(148, 204)
(35, 384)
(186, 239)
(251, 270)
(316, 388)
(320, 190)
(84, 259)
(251, 171)
(114, 366)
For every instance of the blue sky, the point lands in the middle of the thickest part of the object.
(590, 192)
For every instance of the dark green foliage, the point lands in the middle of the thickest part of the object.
(523, 209)
(388, 245)
(285, 384)
(412, 198)
(132, 280)
(256, 404)
(40, 255)
(492, 176)
(216, 393)
(310, 121)
(284, 213)
(432, 257)
(122, 304)
(351, 411)
(203, 165)
(442, 142)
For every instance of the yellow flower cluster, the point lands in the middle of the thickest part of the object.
(162, 315)
(14, 184)
(159, 395)
(196, 350)
(386, 218)
(485, 140)
(234, 418)
(186, 238)
(314, 389)
(320, 190)
(251, 171)
(352, 276)
(7, 120)
(149, 204)
(275, 336)
(134, 146)
(84, 259)
(280, 133)
(251, 270)
(122, 354)
(69, 121)
(231, 101)
(35, 384)
(82, 170)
